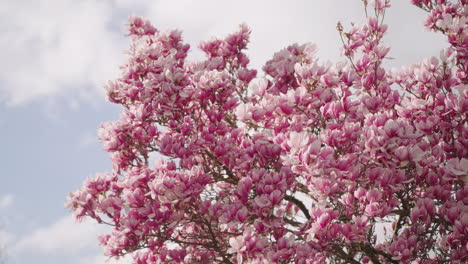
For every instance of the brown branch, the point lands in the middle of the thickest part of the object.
(205, 245)
(341, 254)
(299, 204)
(291, 222)
(232, 178)
(372, 253)
(216, 245)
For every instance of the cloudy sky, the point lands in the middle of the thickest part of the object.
(55, 56)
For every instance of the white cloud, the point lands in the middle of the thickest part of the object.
(55, 48)
(66, 238)
(105, 260)
(63, 236)
(6, 238)
(6, 201)
(276, 24)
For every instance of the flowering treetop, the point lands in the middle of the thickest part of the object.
(308, 163)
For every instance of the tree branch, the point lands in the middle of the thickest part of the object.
(299, 204)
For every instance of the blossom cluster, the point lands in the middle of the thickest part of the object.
(310, 163)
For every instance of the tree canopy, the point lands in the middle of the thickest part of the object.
(309, 162)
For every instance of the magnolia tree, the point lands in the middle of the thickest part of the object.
(307, 162)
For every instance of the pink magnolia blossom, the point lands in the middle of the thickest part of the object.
(304, 163)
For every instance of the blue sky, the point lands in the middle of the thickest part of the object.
(57, 54)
